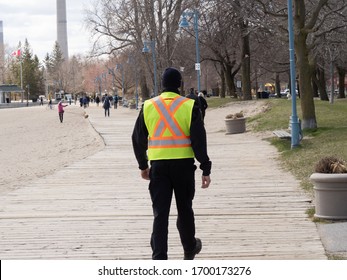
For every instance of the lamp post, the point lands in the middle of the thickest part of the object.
(185, 24)
(99, 81)
(28, 87)
(146, 50)
(21, 72)
(333, 56)
(294, 121)
(120, 66)
(104, 75)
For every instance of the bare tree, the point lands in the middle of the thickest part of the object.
(220, 39)
(234, 33)
(118, 25)
(309, 17)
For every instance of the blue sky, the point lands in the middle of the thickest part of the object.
(36, 21)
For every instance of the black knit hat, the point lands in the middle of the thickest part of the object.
(171, 78)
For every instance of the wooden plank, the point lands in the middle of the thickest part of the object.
(99, 207)
(282, 134)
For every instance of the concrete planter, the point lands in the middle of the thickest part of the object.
(235, 125)
(330, 195)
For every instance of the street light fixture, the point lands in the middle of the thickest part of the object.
(145, 47)
(294, 121)
(146, 50)
(185, 24)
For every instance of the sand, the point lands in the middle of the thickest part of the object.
(34, 143)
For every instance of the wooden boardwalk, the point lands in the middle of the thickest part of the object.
(99, 207)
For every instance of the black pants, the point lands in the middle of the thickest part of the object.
(107, 112)
(168, 177)
(61, 116)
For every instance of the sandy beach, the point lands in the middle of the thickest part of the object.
(34, 143)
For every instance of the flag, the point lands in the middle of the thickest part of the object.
(16, 53)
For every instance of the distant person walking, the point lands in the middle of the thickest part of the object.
(85, 101)
(194, 96)
(41, 101)
(203, 104)
(115, 101)
(106, 105)
(97, 100)
(61, 111)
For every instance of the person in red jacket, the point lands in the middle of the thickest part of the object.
(61, 110)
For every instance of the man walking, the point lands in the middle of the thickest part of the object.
(106, 105)
(169, 132)
(195, 97)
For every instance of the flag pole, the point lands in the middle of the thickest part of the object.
(21, 77)
(18, 55)
(19, 52)
(21, 73)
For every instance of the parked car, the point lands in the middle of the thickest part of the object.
(286, 91)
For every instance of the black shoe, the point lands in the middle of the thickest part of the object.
(191, 255)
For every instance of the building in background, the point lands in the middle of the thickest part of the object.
(1, 36)
(62, 28)
(2, 54)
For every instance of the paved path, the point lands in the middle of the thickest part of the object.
(99, 207)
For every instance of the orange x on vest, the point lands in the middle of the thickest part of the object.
(168, 133)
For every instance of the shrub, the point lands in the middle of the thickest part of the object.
(235, 116)
(331, 164)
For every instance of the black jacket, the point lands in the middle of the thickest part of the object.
(197, 137)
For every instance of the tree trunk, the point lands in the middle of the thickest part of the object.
(315, 84)
(246, 80)
(223, 85)
(342, 73)
(278, 85)
(230, 76)
(321, 84)
(305, 71)
(246, 63)
(144, 88)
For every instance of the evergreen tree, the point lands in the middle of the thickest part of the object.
(54, 63)
(32, 76)
(31, 71)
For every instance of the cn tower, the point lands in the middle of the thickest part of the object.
(62, 28)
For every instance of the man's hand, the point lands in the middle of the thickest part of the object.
(206, 180)
(145, 174)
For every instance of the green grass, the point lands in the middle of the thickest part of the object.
(214, 102)
(328, 139)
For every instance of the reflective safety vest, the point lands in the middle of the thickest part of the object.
(168, 118)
